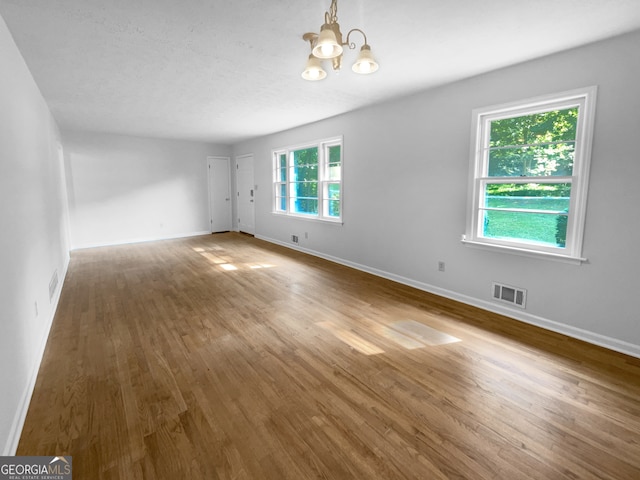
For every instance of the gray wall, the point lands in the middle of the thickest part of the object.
(406, 167)
(33, 235)
(125, 189)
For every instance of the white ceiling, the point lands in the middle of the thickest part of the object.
(223, 71)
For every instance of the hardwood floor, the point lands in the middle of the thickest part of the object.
(225, 357)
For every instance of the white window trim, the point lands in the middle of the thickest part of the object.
(585, 98)
(323, 179)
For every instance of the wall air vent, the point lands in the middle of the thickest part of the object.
(508, 294)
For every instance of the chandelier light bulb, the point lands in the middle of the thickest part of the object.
(327, 50)
(364, 68)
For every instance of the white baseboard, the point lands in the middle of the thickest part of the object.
(517, 314)
(18, 421)
(138, 240)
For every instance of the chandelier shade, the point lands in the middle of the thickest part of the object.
(327, 45)
(313, 71)
(365, 63)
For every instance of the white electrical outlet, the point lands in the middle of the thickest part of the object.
(441, 266)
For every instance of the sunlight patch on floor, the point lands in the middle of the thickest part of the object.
(401, 339)
(225, 263)
(408, 334)
(418, 333)
(351, 339)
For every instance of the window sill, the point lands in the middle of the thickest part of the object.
(309, 218)
(525, 252)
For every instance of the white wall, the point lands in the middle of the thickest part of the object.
(34, 235)
(126, 189)
(406, 166)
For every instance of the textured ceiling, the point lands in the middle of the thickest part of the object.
(223, 71)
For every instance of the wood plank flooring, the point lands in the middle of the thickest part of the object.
(225, 357)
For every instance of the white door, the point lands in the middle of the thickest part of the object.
(246, 194)
(220, 193)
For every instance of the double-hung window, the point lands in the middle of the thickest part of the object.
(307, 180)
(529, 174)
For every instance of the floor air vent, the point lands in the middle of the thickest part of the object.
(513, 295)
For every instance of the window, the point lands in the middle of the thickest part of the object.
(308, 180)
(529, 174)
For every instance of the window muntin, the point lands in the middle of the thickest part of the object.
(530, 171)
(308, 180)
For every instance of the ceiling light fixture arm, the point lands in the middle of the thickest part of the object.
(311, 38)
(352, 45)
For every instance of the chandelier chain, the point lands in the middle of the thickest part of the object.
(332, 15)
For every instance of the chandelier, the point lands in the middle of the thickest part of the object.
(328, 45)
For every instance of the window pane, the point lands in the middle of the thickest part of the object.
(334, 171)
(332, 200)
(538, 228)
(333, 191)
(304, 173)
(334, 154)
(281, 204)
(545, 127)
(332, 208)
(540, 160)
(528, 196)
(307, 156)
(283, 190)
(305, 205)
(526, 224)
(304, 189)
(281, 168)
(334, 163)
